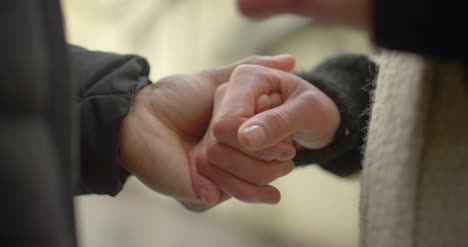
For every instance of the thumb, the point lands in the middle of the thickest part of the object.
(308, 118)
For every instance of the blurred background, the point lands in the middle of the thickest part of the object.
(184, 36)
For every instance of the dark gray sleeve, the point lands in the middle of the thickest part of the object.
(436, 28)
(433, 28)
(107, 84)
(348, 80)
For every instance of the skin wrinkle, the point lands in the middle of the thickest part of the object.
(149, 108)
(279, 119)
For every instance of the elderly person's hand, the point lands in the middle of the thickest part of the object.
(167, 119)
(354, 13)
(249, 142)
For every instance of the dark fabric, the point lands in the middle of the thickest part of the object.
(40, 106)
(437, 28)
(107, 85)
(349, 81)
(36, 129)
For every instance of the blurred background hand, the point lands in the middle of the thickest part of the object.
(353, 13)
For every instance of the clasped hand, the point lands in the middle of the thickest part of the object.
(261, 116)
(223, 132)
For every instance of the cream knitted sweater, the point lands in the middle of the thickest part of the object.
(415, 176)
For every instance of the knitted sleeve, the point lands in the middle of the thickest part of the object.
(348, 80)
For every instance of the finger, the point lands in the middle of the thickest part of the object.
(280, 62)
(246, 168)
(240, 189)
(205, 189)
(228, 129)
(203, 184)
(266, 102)
(263, 103)
(285, 151)
(248, 83)
(200, 207)
(309, 117)
(276, 100)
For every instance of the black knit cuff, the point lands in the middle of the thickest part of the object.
(348, 80)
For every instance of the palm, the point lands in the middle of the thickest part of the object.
(175, 114)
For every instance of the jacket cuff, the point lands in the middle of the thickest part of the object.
(108, 84)
(348, 80)
(101, 119)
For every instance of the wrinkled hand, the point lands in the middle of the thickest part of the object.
(167, 119)
(262, 111)
(354, 13)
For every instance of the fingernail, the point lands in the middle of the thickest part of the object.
(255, 135)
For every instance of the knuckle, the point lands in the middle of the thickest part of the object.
(242, 69)
(312, 100)
(221, 127)
(225, 127)
(218, 123)
(247, 69)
